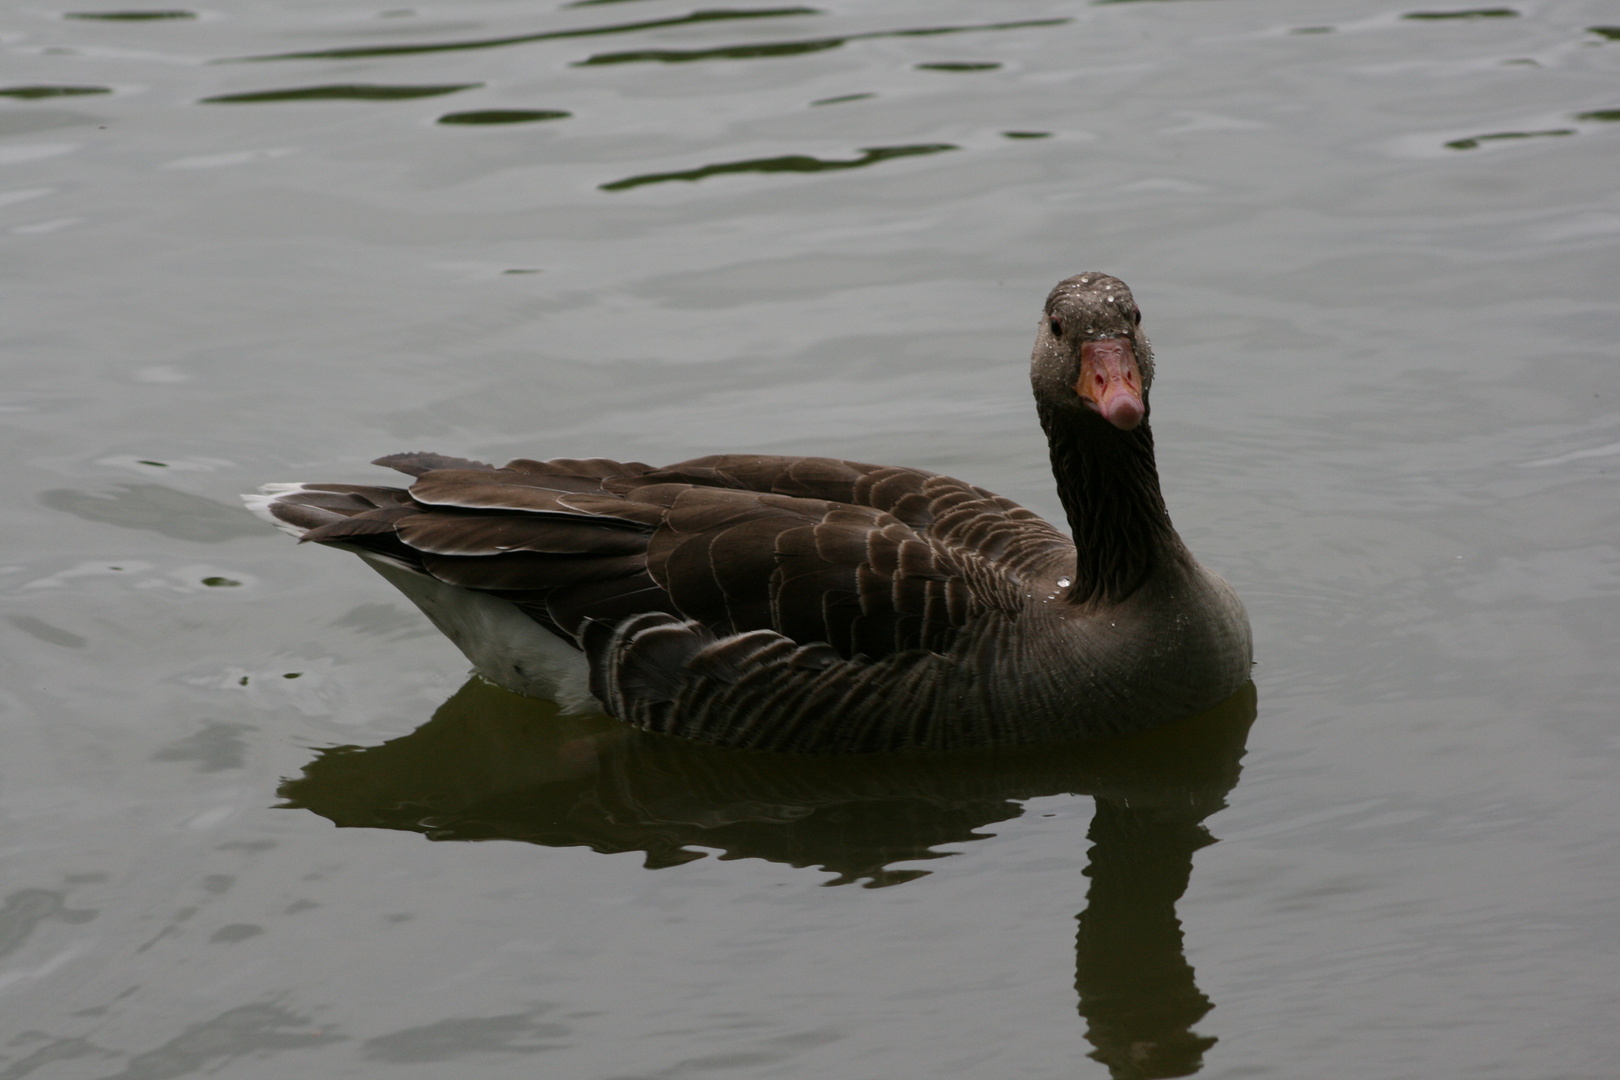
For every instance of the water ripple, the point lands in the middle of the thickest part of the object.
(757, 50)
(801, 163)
(341, 92)
(30, 93)
(503, 116)
(362, 51)
(132, 16)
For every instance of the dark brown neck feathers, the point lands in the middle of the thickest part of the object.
(1109, 486)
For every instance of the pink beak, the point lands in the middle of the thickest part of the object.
(1110, 382)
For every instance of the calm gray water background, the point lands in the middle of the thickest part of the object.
(1387, 411)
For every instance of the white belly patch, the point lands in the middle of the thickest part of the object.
(505, 646)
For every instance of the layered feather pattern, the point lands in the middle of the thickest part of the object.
(809, 603)
(721, 585)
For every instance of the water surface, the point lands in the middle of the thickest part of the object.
(258, 823)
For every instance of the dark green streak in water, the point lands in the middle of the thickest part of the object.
(1470, 13)
(703, 16)
(503, 116)
(1606, 115)
(1473, 142)
(725, 52)
(131, 16)
(793, 48)
(31, 92)
(1610, 32)
(957, 66)
(841, 98)
(341, 92)
(798, 163)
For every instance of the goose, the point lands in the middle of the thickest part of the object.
(819, 605)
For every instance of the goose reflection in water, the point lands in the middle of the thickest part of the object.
(492, 765)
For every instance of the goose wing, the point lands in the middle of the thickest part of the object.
(868, 559)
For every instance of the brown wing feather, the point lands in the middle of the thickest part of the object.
(498, 489)
(528, 572)
(870, 560)
(366, 523)
(608, 602)
(496, 534)
(592, 468)
(415, 464)
(853, 577)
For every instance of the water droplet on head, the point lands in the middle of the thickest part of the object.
(1063, 583)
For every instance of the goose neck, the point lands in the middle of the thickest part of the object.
(1109, 485)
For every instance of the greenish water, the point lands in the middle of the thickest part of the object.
(257, 823)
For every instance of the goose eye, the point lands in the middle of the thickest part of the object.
(1136, 318)
(1057, 326)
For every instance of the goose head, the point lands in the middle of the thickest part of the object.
(1091, 359)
